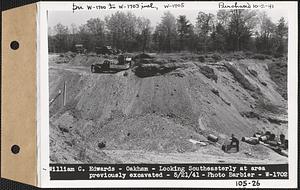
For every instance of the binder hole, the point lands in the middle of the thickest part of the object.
(14, 45)
(15, 149)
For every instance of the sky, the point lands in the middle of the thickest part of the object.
(80, 17)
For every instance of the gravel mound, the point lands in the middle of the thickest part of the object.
(156, 112)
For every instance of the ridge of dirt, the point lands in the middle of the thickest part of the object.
(278, 73)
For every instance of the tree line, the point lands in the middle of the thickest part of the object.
(228, 30)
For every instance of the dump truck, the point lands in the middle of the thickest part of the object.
(79, 48)
(123, 63)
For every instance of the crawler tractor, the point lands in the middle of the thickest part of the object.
(123, 63)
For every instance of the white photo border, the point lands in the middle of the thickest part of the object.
(43, 107)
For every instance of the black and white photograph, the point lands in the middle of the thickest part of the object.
(150, 94)
(168, 86)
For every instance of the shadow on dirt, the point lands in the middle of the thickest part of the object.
(106, 72)
(150, 70)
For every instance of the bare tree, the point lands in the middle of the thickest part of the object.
(61, 38)
(223, 17)
(144, 32)
(204, 27)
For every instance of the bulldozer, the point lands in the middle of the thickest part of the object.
(123, 63)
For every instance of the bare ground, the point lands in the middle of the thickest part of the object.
(151, 119)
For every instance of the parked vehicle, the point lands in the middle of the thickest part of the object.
(123, 63)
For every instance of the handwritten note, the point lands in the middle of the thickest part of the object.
(125, 6)
(98, 6)
(245, 5)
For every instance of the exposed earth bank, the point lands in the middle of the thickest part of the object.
(125, 117)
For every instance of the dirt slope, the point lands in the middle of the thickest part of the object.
(161, 113)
